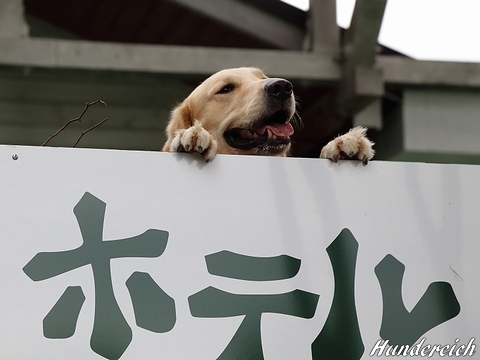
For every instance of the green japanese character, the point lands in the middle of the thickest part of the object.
(111, 333)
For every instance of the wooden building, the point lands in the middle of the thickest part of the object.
(142, 57)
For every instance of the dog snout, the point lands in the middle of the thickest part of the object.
(279, 89)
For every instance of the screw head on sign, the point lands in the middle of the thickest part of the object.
(14, 156)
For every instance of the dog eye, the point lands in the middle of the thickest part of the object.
(226, 89)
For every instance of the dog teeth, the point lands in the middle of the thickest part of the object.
(271, 135)
(249, 134)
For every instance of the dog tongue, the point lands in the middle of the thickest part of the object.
(282, 130)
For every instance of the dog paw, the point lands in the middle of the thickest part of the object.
(195, 139)
(352, 145)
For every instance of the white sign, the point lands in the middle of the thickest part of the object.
(147, 255)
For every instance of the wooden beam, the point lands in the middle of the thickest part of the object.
(361, 38)
(12, 20)
(324, 32)
(249, 20)
(402, 71)
(361, 82)
(184, 60)
(181, 60)
(359, 86)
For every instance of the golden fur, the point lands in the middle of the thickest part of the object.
(242, 111)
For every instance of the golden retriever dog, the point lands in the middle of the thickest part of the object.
(242, 111)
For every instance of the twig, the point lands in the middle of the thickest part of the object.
(88, 130)
(87, 105)
(456, 273)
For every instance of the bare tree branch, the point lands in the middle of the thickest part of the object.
(88, 130)
(79, 119)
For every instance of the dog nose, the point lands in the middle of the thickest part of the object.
(279, 89)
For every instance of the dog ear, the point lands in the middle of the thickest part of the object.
(180, 118)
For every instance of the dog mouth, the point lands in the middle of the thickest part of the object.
(270, 135)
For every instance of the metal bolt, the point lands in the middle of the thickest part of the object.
(14, 156)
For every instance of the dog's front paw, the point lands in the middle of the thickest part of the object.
(195, 139)
(352, 145)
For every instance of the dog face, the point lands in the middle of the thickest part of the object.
(243, 110)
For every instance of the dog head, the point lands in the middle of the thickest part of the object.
(245, 111)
